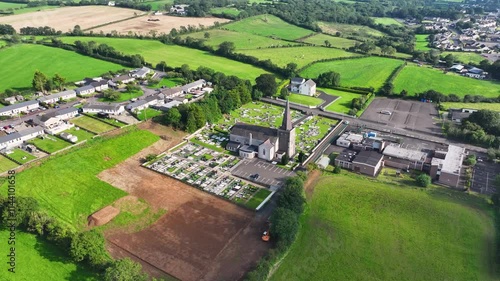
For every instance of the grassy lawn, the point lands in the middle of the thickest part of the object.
(167, 82)
(51, 262)
(338, 42)
(363, 72)
(125, 96)
(343, 104)
(349, 29)
(358, 228)
(387, 21)
(227, 11)
(299, 55)
(269, 26)
(175, 56)
(489, 106)
(257, 198)
(159, 5)
(80, 134)
(18, 155)
(241, 40)
(421, 42)
(148, 113)
(416, 79)
(50, 144)
(6, 164)
(67, 186)
(23, 60)
(92, 124)
(3, 43)
(5, 5)
(305, 100)
(466, 57)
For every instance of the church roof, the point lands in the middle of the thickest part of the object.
(287, 118)
(258, 132)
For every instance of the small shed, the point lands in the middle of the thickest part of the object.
(103, 216)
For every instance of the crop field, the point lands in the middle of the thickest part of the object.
(362, 72)
(66, 18)
(51, 262)
(143, 25)
(359, 228)
(349, 29)
(305, 100)
(299, 55)
(71, 196)
(24, 60)
(241, 40)
(80, 134)
(387, 21)
(21, 156)
(269, 26)
(466, 57)
(343, 104)
(92, 124)
(50, 144)
(338, 42)
(6, 164)
(176, 56)
(421, 42)
(227, 11)
(471, 105)
(412, 80)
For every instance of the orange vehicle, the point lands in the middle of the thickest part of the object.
(266, 236)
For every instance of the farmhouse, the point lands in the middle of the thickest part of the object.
(16, 139)
(65, 95)
(140, 72)
(122, 79)
(172, 92)
(114, 109)
(85, 90)
(446, 165)
(403, 158)
(56, 122)
(264, 142)
(301, 86)
(199, 84)
(23, 107)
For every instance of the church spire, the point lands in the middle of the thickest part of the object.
(287, 118)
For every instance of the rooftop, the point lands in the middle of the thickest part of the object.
(18, 105)
(370, 158)
(405, 153)
(194, 84)
(453, 160)
(57, 95)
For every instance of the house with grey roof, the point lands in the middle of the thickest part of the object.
(141, 72)
(86, 90)
(144, 103)
(15, 139)
(113, 109)
(198, 84)
(64, 95)
(172, 92)
(22, 107)
(56, 121)
(122, 79)
(301, 86)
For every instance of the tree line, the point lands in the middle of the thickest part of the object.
(480, 128)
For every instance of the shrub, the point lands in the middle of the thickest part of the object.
(89, 246)
(124, 270)
(423, 180)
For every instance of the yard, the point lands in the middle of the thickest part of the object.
(361, 72)
(80, 134)
(167, 82)
(371, 229)
(148, 113)
(6, 164)
(343, 104)
(50, 143)
(338, 42)
(124, 96)
(92, 124)
(21, 156)
(416, 79)
(305, 100)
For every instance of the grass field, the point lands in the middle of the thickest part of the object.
(387, 21)
(92, 124)
(159, 5)
(466, 57)
(241, 40)
(3, 43)
(67, 186)
(167, 82)
(50, 144)
(299, 55)
(338, 42)
(24, 60)
(227, 11)
(270, 26)
(6, 6)
(416, 79)
(51, 262)
(6, 164)
(363, 72)
(458, 105)
(343, 104)
(421, 42)
(80, 134)
(18, 155)
(148, 113)
(349, 29)
(257, 198)
(358, 228)
(305, 100)
(176, 56)
(124, 96)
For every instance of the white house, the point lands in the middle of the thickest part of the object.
(65, 95)
(303, 87)
(17, 138)
(179, 9)
(85, 90)
(100, 85)
(23, 107)
(56, 122)
(142, 104)
(113, 109)
(124, 79)
(198, 84)
(141, 72)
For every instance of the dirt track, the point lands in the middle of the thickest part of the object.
(201, 237)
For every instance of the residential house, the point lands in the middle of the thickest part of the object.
(198, 84)
(141, 72)
(23, 107)
(17, 138)
(86, 90)
(113, 109)
(100, 85)
(122, 79)
(64, 95)
(144, 103)
(172, 92)
(56, 121)
(301, 86)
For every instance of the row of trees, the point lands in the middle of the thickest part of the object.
(44, 31)
(480, 128)
(42, 83)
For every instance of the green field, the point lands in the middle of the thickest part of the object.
(241, 40)
(349, 29)
(466, 57)
(269, 26)
(3, 43)
(416, 79)
(66, 185)
(257, 198)
(37, 259)
(124, 96)
(148, 113)
(6, 164)
(80, 134)
(21, 156)
(24, 60)
(362, 72)
(338, 42)
(299, 55)
(358, 228)
(159, 5)
(421, 42)
(305, 100)
(92, 124)
(343, 104)
(5, 5)
(227, 11)
(387, 21)
(167, 82)
(176, 56)
(471, 105)
(50, 144)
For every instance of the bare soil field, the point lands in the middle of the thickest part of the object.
(201, 237)
(66, 18)
(143, 25)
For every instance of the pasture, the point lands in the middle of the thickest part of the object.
(471, 105)
(358, 228)
(387, 21)
(416, 79)
(92, 124)
(49, 143)
(343, 103)
(349, 29)
(337, 42)
(227, 11)
(421, 42)
(269, 26)
(66, 185)
(23, 60)
(361, 72)
(466, 57)
(6, 164)
(299, 55)
(305, 100)
(154, 52)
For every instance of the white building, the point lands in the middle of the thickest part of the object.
(113, 109)
(64, 95)
(346, 139)
(23, 107)
(16, 139)
(56, 122)
(303, 87)
(198, 84)
(141, 72)
(145, 103)
(86, 90)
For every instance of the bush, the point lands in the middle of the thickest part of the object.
(89, 246)
(124, 270)
(284, 226)
(337, 169)
(470, 160)
(423, 180)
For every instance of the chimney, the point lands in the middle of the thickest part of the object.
(250, 139)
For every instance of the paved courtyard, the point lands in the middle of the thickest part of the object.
(269, 174)
(484, 176)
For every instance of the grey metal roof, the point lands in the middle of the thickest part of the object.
(370, 158)
(142, 71)
(57, 95)
(18, 105)
(136, 104)
(195, 84)
(171, 91)
(30, 131)
(84, 88)
(297, 80)
(103, 106)
(258, 132)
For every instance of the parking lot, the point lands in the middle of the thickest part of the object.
(412, 115)
(269, 174)
(483, 177)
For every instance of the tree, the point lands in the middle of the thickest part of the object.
(206, 35)
(284, 226)
(173, 117)
(337, 169)
(387, 50)
(20, 212)
(6, 29)
(89, 246)
(470, 160)
(328, 79)
(191, 123)
(292, 196)
(327, 43)
(266, 83)
(285, 159)
(226, 48)
(291, 69)
(301, 157)
(124, 270)
(39, 81)
(162, 65)
(284, 93)
(111, 94)
(58, 81)
(423, 180)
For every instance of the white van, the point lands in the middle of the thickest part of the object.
(386, 112)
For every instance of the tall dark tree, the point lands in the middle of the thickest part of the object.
(328, 79)
(284, 226)
(292, 196)
(226, 48)
(266, 83)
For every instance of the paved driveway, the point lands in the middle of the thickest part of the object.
(269, 174)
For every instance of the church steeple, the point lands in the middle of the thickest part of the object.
(287, 118)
